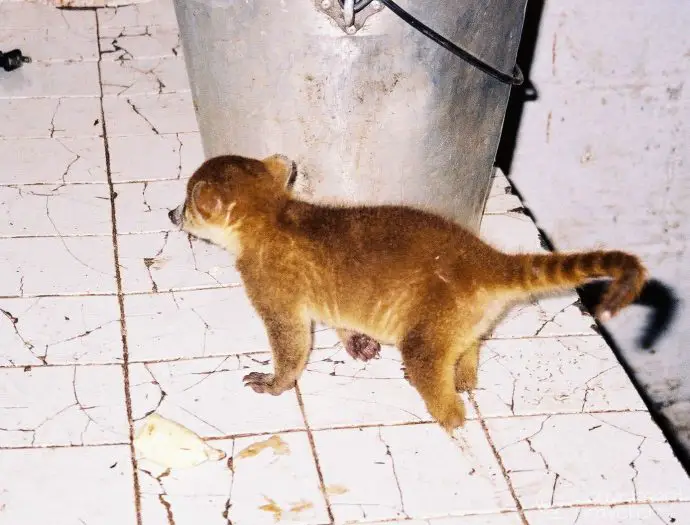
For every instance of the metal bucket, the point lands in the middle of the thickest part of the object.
(374, 112)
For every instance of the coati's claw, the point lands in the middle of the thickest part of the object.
(362, 347)
(263, 383)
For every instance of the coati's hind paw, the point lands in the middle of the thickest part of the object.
(362, 347)
(265, 384)
(452, 417)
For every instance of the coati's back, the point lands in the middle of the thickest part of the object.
(384, 247)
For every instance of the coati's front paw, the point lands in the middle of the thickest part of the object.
(362, 347)
(265, 383)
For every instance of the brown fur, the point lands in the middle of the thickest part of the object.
(400, 275)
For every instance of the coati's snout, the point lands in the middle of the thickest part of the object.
(225, 189)
(175, 215)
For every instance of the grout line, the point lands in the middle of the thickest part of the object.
(126, 294)
(118, 279)
(310, 437)
(499, 460)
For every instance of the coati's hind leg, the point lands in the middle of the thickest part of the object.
(430, 357)
(466, 368)
(359, 346)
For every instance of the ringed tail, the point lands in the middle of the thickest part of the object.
(553, 271)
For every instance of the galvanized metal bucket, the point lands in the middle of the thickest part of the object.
(372, 110)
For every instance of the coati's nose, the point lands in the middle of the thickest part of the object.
(172, 217)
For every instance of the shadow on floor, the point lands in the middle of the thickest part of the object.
(521, 94)
(658, 297)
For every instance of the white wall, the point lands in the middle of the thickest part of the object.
(603, 157)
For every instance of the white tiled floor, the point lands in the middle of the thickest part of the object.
(556, 432)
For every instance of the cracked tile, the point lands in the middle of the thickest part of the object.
(501, 199)
(150, 114)
(127, 43)
(340, 391)
(57, 266)
(645, 514)
(60, 330)
(161, 262)
(64, 210)
(547, 317)
(599, 459)
(145, 76)
(51, 79)
(541, 376)
(507, 518)
(142, 207)
(62, 405)
(199, 323)
(410, 472)
(136, 17)
(56, 160)
(274, 486)
(50, 117)
(67, 486)
(155, 157)
(511, 232)
(208, 397)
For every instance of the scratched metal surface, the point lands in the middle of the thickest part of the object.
(385, 115)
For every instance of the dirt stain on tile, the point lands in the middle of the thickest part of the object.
(279, 447)
(273, 507)
(278, 513)
(336, 490)
(155, 262)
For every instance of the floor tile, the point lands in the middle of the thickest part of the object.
(507, 518)
(30, 15)
(552, 375)
(199, 323)
(62, 405)
(340, 391)
(60, 330)
(511, 232)
(160, 262)
(58, 160)
(150, 114)
(502, 198)
(410, 472)
(155, 157)
(547, 317)
(644, 514)
(277, 485)
(145, 76)
(71, 42)
(64, 210)
(151, 41)
(67, 486)
(50, 117)
(51, 79)
(156, 13)
(588, 458)
(57, 266)
(143, 207)
(208, 396)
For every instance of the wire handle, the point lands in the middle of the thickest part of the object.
(514, 79)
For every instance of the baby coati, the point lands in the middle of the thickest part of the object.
(397, 274)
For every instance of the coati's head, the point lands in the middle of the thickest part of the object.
(227, 190)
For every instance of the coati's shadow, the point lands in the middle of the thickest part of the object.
(659, 298)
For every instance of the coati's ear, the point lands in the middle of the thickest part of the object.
(206, 200)
(282, 169)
